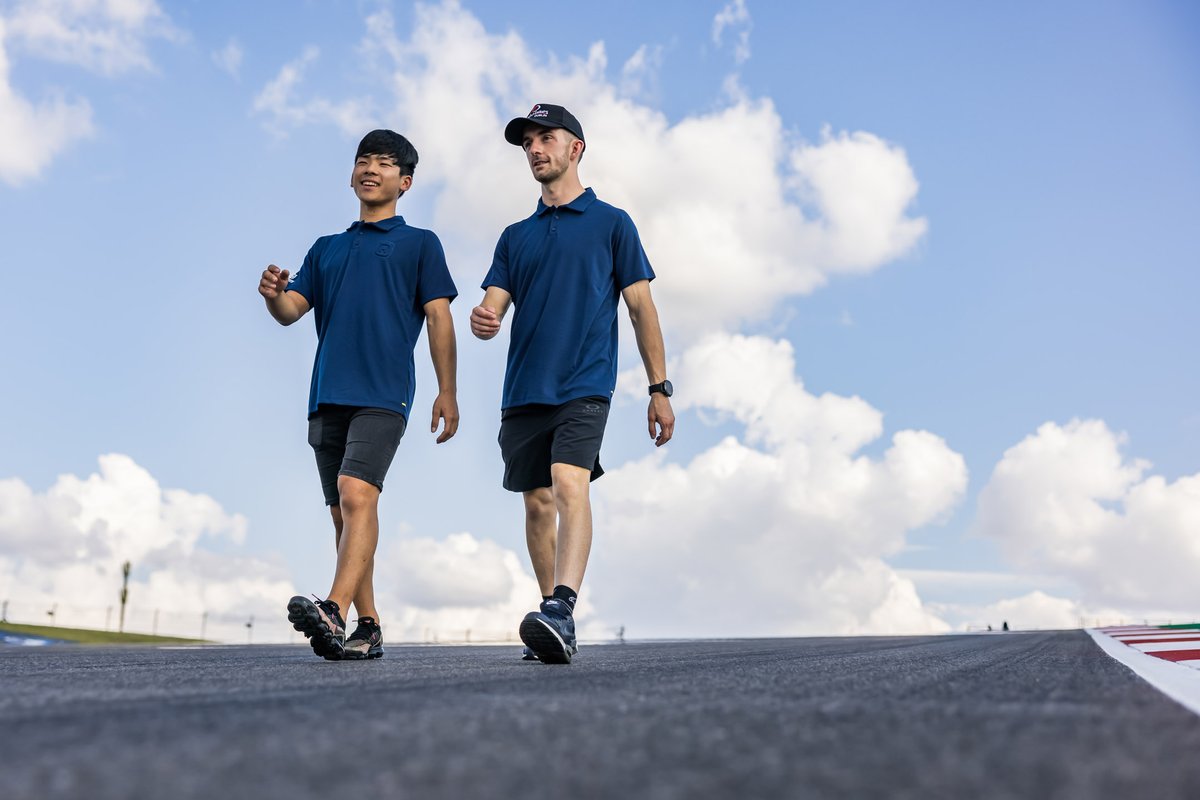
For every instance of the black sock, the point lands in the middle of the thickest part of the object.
(565, 594)
(546, 597)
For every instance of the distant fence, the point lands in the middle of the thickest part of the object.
(1085, 622)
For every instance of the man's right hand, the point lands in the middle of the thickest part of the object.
(484, 322)
(274, 282)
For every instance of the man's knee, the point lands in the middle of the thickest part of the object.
(570, 484)
(356, 496)
(539, 506)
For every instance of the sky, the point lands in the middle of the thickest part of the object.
(927, 276)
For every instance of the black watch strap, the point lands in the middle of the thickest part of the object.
(665, 387)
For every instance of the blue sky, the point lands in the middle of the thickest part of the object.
(1054, 280)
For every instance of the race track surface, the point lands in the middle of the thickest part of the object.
(1038, 715)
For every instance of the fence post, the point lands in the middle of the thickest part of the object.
(124, 594)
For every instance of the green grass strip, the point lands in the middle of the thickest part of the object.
(1182, 626)
(87, 636)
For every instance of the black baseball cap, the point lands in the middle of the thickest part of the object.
(546, 115)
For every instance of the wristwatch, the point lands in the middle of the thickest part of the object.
(665, 387)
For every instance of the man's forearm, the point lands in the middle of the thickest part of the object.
(443, 351)
(649, 337)
(284, 308)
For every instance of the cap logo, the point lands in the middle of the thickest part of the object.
(537, 112)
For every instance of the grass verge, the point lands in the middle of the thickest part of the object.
(87, 636)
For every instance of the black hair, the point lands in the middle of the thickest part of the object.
(383, 142)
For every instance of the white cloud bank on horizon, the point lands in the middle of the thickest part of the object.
(104, 36)
(64, 547)
(461, 588)
(1065, 501)
(736, 213)
(793, 521)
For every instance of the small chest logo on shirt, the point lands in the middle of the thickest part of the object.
(385, 249)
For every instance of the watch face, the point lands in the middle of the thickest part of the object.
(668, 389)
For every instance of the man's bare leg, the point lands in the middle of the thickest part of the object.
(541, 536)
(359, 508)
(364, 599)
(549, 633)
(571, 499)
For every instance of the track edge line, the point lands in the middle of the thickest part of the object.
(1180, 683)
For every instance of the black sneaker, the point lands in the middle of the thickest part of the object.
(366, 641)
(550, 632)
(321, 622)
(528, 655)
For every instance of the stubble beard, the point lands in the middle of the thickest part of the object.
(551, 174)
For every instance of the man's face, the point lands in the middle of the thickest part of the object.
(548, 151)
(376, 180)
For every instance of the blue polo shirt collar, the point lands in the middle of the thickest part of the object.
(384, 224)
(579, 204)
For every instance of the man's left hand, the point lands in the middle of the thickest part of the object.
(445, 407)
(661, 419)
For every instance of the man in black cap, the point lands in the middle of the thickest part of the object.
(564, 271)
(372, 287)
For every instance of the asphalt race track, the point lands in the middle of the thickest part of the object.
(1038, 715)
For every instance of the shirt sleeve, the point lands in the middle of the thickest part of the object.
(630, 264)
(304, 280)
(433, 275)
(498, 274)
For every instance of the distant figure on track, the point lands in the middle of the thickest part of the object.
(564, 270)
(371, 287)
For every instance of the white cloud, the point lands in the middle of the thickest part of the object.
(31, 136)
(728, 199)
(1065, 501)
(1038, 610)
(65, 548)
(795, 527)
(734, 15)
(229, 57)
(639, 74)
(1035, 610)
(455, 588)
(108, 36)
(284, 112)
(462, 588)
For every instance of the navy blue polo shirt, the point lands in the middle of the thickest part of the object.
(368, 287)
(565, 267)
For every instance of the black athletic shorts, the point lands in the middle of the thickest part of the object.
(533, 437)
(353, 441)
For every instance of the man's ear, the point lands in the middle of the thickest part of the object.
(405, 183)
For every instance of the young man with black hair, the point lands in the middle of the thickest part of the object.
(370, 287)
(564, 271)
